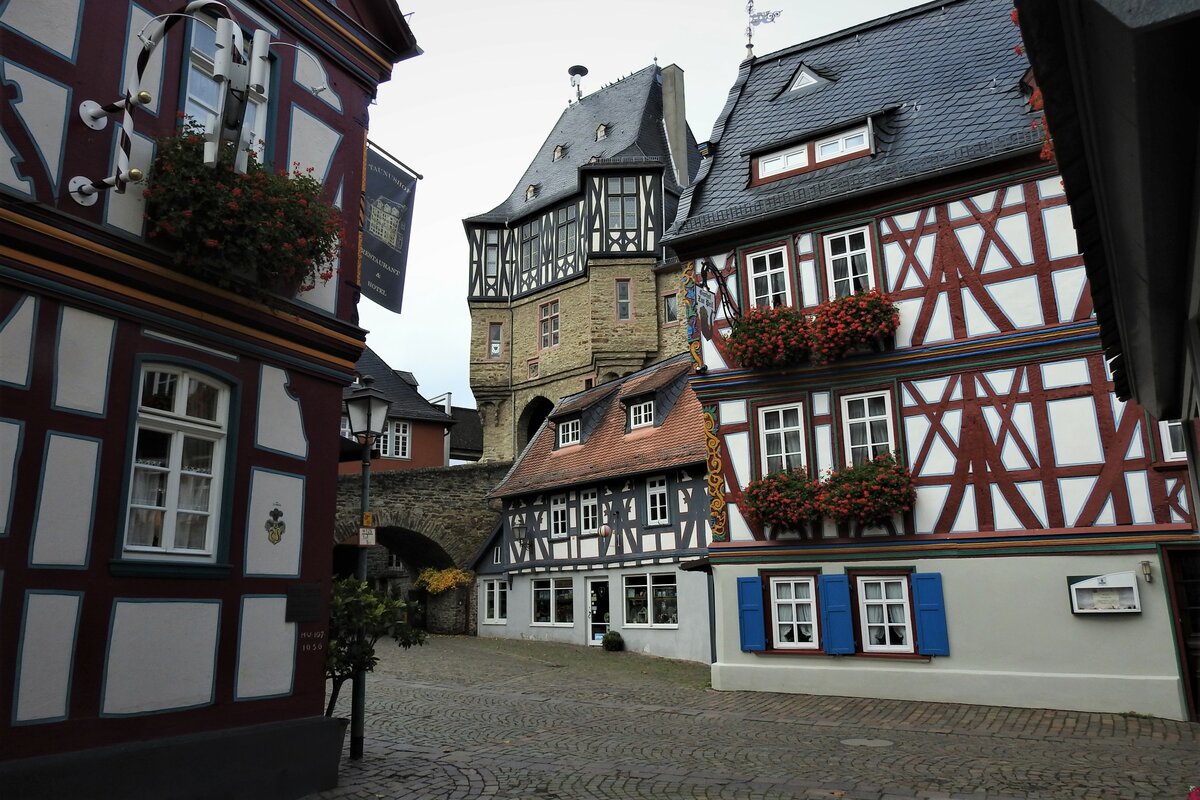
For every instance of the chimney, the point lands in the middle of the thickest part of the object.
(675, 121)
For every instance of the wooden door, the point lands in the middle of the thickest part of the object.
(1185, 591)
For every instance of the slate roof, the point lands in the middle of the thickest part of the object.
(401, 389)
(610, 452)
(466, 437)
(632, 108)
(941, 82)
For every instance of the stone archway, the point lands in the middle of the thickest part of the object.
(532, 417)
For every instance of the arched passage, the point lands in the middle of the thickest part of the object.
(531, 419)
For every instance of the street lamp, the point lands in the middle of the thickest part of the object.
(367, 409)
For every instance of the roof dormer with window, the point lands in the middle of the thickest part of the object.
(812, 152)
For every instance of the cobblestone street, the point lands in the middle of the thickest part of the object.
(465, 718)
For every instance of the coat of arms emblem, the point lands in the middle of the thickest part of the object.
(275, 526)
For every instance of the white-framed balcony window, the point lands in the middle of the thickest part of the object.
(843, 144)
(178, 458)
(202, 92)
(568, 432)
(1173, 446)
(884, 614)
(589, 511)
(658, 510)
(848, 266)
(396, 440)
(792, 158)
(558, 517)
(553, 602)
(781, 437)
(641, 414)
(867, 426)
(651, 601)
(495, 602)
(794, 613)
(770, 284)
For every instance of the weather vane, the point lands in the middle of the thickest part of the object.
(756, 18)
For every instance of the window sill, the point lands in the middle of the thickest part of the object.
(494, 622)
(649, 627)
(130, 568)
(1175, 465)
(552, 624)
(875, 656)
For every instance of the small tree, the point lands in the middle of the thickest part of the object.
(355, 607)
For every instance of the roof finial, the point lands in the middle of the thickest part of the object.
(577, 72)
(756, 18)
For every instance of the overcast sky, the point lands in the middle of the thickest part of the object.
(471, 113)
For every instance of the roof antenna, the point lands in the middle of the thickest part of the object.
(756, 18)
(577, 72)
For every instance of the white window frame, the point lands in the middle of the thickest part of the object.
(905, 602)
(560, 525)
(396, 440)
(495, 602)
(1168, 446)
(498, 554)
(568, 432)
(768, 272)
(554, 586)
(589, 511)
(842, 142)
(344, 428)
(670, 308)
(766, 430)
(793, 603)
(658, 501)
(847, 447)
(804, 78)
(828, 241)
(491, 253)
(787, 160)
(495, 340)
(176, 423)
(256, 104)
(641, 415)
(647, 582)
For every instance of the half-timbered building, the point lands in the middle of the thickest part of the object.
(568, 286)
(1030, 570)
(600, 511)
(168, 446)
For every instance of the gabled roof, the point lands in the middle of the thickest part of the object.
(940, 82)
(400, 388)
(609, 452)
(632, 110)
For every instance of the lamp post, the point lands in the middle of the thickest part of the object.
(367, 409)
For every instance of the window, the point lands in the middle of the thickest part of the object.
(491, 254)
(1174, 447)
(395, 441)
(530, 257)
(622, 204)
(867, 426)
(883, 613)
(345, 428)
(601, 133)
(769, 284)
(202, 94)
(565, 230)
(498, 554)
(670, 308)
(843, 144)
(651, 601)
(178, 454)
(789, 160)
(641, 414)
(804, 78)
(495, 602)
(558, 516)
(794, 613)
(589, 511)
(549, 324)
(558, 152)
(657, 512)
(624, 306)
(848, 263)
(553, 602)
(495, 330)
(531, 191)
(781, 436)
(568, 432)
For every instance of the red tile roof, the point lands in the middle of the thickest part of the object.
(609, 451)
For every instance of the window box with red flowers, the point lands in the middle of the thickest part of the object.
(784, 500)
(766, 338)
(261, 233)
(845, 324)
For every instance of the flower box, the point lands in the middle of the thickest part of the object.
(766, 338)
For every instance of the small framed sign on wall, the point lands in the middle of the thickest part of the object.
(1115, 593)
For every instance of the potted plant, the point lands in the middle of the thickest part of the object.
(765, 338)
(845, 323)
(786, 499)
(612, 642)
(261, 233)
(869, 493)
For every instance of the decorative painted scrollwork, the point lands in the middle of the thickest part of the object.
(716, 479)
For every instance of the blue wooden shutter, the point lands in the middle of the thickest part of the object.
(750, 614)
(837, 626)
(932, 637)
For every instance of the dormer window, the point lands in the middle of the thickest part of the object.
(814, 154)
(531, 191)
(842, 145)
(568, 432)
(641, 414)
(790, 160)
(601, 131)
(804, 78)
(558, 152)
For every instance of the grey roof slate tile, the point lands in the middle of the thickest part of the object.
(400, 388)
